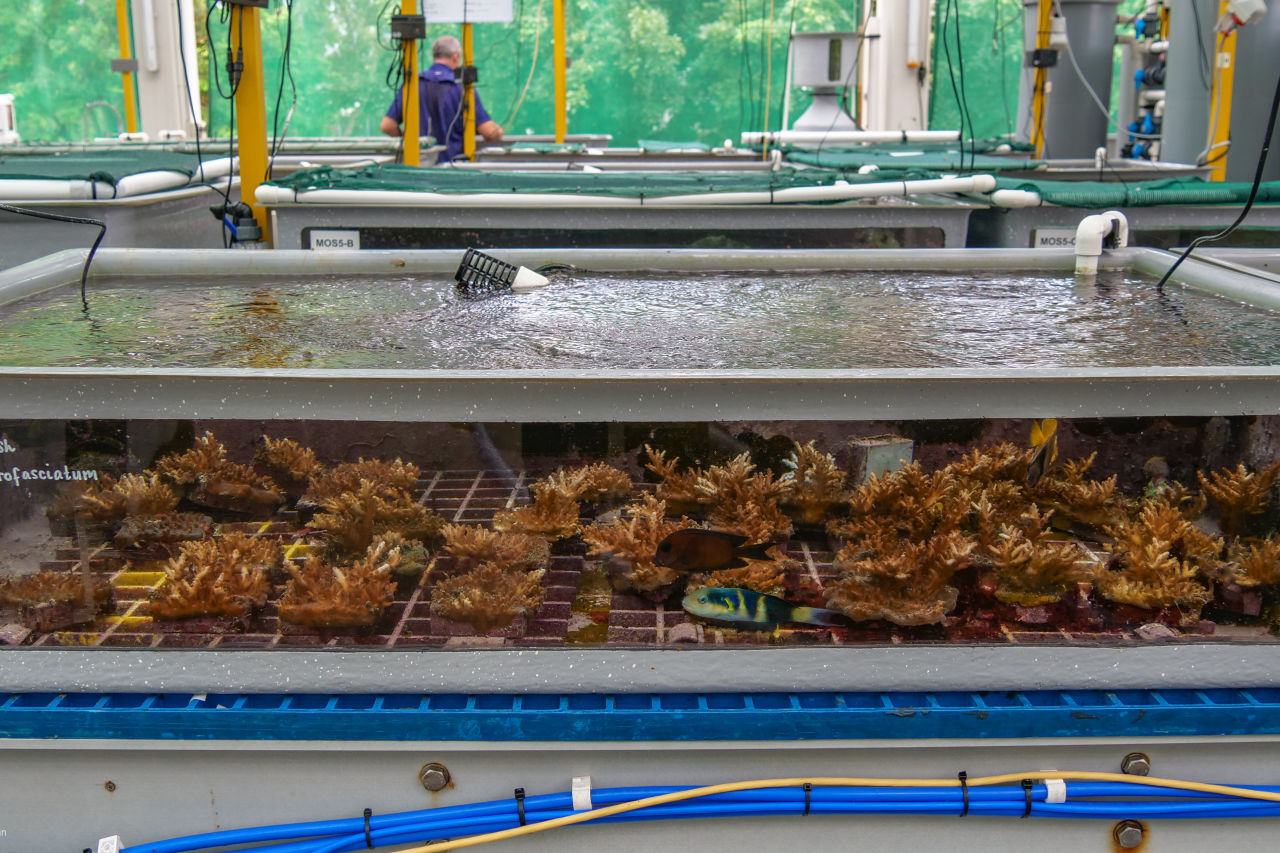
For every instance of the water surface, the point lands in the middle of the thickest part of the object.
(641, 320)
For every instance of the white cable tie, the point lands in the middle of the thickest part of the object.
(582, 794)
(1056, 791)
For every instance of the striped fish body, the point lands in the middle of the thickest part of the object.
(743, 608)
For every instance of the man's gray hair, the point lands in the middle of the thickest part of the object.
(444, 47)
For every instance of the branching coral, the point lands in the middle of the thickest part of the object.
(414, 556)
(1031, 568)
(142, 494)
(743, 502)
(226, 576)
(387, 477)
(48, 587)
(764, 576)
(166, 528)
(97, 501)
(513, 551)
(914, 504)
(1257, 562)
(986, 465)
(202, 462)
(320, 595)
(352, 519)
(677, 488)
(553, 514)
(488, 597)
(633, 540)
(287, 458)
(595, 483)
(1158, 560)
(901, 581)
(814, 482)
(219, 482)
(1239, 493)
(1094, 503)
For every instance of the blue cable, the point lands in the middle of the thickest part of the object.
(332, 836)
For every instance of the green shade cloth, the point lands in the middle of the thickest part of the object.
(1168, 191)
(414, 179)
(105, 166)
(910, 157)
(548, 147)
(665, 145)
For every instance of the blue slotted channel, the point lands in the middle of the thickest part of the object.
(640, 716)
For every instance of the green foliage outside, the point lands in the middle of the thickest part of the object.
(641, 69)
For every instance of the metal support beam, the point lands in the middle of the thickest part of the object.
(251, 109)
(412, 118)
(561, 64)
(468, 96)
(126, 77)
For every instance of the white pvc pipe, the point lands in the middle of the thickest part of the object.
(835, 137)
(150, 182)
(841, 191)
(913, 33)
(34, 189)
(150, 58)
(1091, 238)
(1016, 198)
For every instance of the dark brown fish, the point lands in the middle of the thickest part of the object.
(696, 550)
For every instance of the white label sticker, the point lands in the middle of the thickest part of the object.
(468, 11)
(1054, 238)
(334, 239)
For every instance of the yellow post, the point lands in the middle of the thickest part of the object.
(411, 111)
(1224, 70)
(468, 98)
(126, 77)
(561, 63)
(1041, 78)
(251, 109)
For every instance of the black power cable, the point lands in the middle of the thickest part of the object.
(75, 220)
(1253, 194)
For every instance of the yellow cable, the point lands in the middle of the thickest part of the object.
(841, 782)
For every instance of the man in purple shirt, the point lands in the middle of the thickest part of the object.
(441, 104)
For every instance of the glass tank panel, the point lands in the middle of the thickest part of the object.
(273, 534)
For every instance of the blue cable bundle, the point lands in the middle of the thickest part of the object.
(1106, 800)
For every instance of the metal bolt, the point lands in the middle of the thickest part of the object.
(433, 776)
(1135, 764)
(109, 785)
(1128, 834)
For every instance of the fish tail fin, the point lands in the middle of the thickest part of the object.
(820, 616)
(758, 551)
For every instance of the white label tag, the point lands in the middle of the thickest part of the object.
(334, 239)
(468, 11)
(1053, 238)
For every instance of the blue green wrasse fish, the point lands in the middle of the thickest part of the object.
(743, 608)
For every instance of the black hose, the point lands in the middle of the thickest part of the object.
(1253, 193)
(75, 220)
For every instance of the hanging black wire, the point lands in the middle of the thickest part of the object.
(966, 116)
(76, 220)
(1253, 194)
(286, 72)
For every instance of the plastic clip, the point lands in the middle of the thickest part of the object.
(520, 805)
(1026, 791)
(964, 791)
(368, 836)
(808, 792)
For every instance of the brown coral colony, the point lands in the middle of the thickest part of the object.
(1002, 536)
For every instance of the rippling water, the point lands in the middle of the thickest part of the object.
(636, 320)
